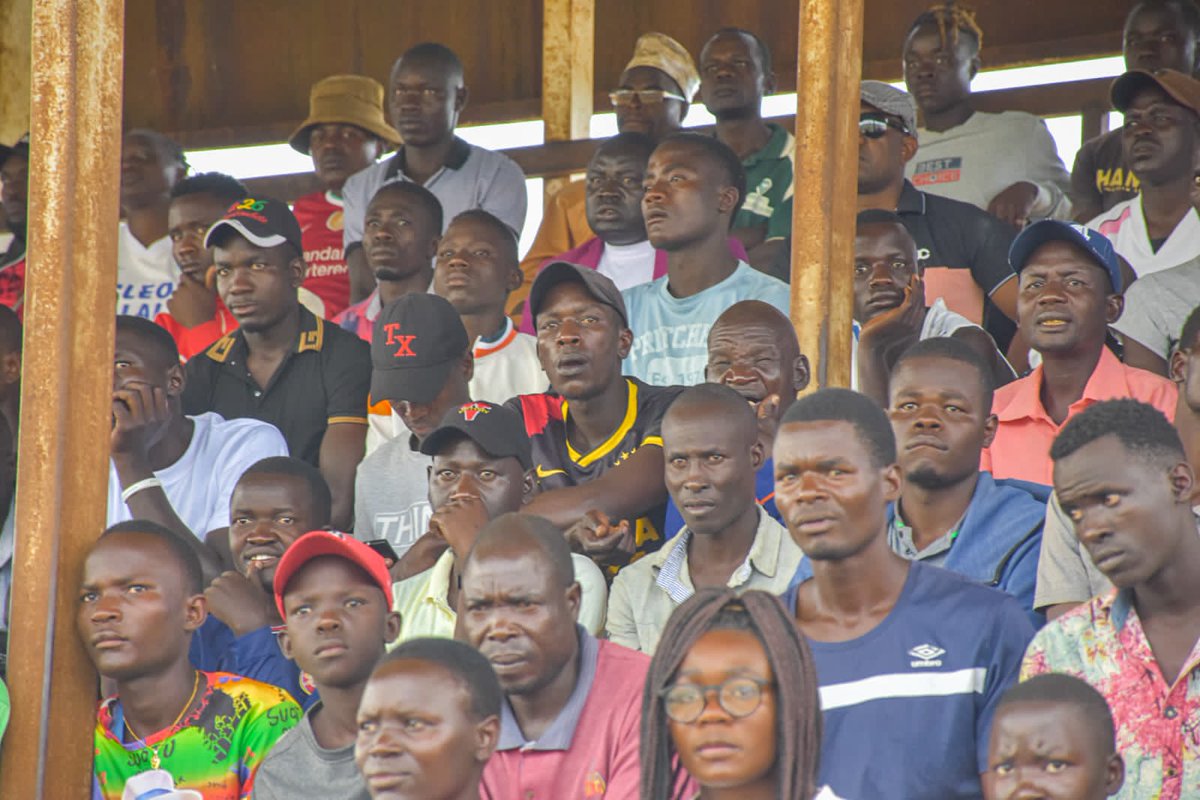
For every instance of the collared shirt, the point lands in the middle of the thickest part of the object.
(769, 185)
(900, 539)
(1021, 448)
(425, 611)
(323, 381)
(472, 178)
(963, 250)
(1157, 722)
(646, 592)
(591, 748)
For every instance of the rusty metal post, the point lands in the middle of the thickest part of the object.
(78, 50)
(828, 71)
(568, 46)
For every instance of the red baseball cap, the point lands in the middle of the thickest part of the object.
(315, 544)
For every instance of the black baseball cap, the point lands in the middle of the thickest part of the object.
(598, 286)
(415, 342)
(19, 147)
(263, 221)
(497, 430)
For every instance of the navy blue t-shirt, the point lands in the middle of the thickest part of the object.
(764, 492)
(908, 705)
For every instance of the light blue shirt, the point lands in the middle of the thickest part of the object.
(670, 334)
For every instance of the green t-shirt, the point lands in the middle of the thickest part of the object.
(4, 706)
(769, 177)
(215, 750)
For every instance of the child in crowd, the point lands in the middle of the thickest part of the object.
(335, 597)
(1053, 737)
(428, 722)
(761, 738)
(140, 602)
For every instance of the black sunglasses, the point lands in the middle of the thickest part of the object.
(874, 126)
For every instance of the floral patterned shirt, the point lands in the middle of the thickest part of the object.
(1158, 724)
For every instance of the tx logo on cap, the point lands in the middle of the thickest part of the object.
(402, 341)
(472, 410)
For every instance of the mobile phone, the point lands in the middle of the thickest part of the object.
(385, 549)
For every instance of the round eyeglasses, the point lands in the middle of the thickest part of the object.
(739, 697)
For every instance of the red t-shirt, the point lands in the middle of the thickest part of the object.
(320, 218)
(12, 278)
(191, 341)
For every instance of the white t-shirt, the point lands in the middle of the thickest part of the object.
(391, 493)
(507, 367)
(200, 484)
(939, 321)
(146, 276)
(627, 264)
(1125, 226)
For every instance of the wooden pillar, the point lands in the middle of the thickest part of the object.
(16, 20)
(568, 41)
(66, 389)
(828, 71)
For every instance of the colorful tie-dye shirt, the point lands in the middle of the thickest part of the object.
(1158, 724)
(215, 750)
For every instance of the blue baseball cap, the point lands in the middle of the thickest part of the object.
(1094, 243)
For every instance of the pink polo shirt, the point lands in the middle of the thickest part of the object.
(1021, 448)
(591, 750)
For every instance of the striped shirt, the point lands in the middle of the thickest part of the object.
(908, 705)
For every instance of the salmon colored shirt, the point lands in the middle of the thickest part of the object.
(1021, 448)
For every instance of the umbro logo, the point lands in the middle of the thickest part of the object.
(926, 655)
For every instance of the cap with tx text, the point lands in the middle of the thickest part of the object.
(415, 342)
(1094, 243)
(263, 221)
(1183, 89)
(330, 543)
(598, 286)
(497, 430)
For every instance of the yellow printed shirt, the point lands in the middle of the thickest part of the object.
(558, 464)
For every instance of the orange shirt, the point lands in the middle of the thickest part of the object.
(1021, 448)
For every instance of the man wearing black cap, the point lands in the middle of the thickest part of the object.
(482, 468)
(283, 365)
(597, 449)
(14, 186)
(1158, 229)
(422, 364)
(1070, 292)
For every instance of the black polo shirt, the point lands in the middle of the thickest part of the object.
(323, 380)
(964, 252)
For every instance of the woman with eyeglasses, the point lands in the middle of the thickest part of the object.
(731, 697)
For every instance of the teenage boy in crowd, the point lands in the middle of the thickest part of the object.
(890, 311)
(651, 99)
(274, 502)
(477, 268)
(950, 514)
(173, 469)
(283, 365)
(1158, 229)
(482, 468)
(1159, 34)
(1070, 292)
(400, 238)
(569, 726)
(335, 597)
(426, 95)
(694, 188)
(422, 679)
(961, 249)
(735, 74)
(151, 164)
(896, 643)
(14, 202)
(1122, 476)
(422, 368)
(597, 451)
(139, 605)
(344, 133)
(1006, 163)
(712, 454)
(1053, 737)
(1066, 575)
(195, 316)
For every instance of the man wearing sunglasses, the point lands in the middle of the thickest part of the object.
(651, 98)
(962, 251)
